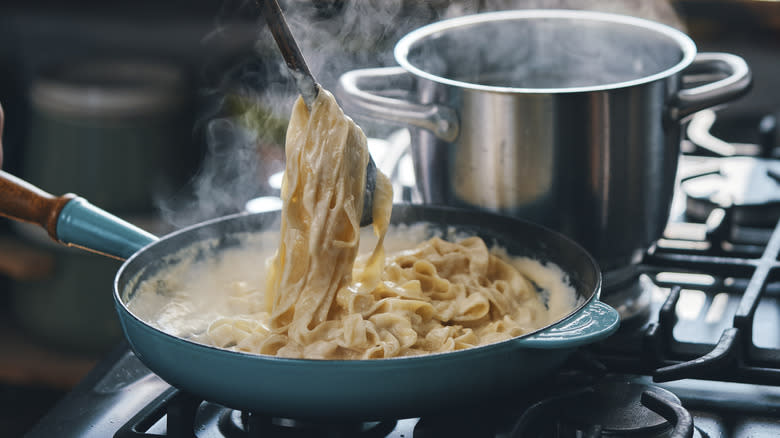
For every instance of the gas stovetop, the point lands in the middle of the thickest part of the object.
(701, 358)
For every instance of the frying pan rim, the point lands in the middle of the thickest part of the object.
(363, 363)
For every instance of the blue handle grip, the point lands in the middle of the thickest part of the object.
(83, 225)
(595, 322)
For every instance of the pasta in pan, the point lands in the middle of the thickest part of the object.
(436, 297)
(321, 301)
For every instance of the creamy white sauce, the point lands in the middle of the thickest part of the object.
(187, 298)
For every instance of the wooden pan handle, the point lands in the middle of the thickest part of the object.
(24, 202)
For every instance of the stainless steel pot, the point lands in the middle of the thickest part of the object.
(566, 118)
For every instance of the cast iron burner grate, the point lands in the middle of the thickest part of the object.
(738, 276)
(176, 413)
(724, 253)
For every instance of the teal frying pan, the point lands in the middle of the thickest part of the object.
(327, 389)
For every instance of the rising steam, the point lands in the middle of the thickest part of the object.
(247, 105)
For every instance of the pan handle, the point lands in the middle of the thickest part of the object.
(70, 220)
(594, 322)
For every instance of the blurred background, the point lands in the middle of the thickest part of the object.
(169, 113)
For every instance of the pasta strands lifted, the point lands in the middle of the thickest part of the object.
(322, 201)
(322, 302)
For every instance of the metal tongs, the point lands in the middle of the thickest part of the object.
(308, 86)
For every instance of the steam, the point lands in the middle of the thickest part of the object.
(238, 149)
(656, 10)
(249, 98)
(248, 101)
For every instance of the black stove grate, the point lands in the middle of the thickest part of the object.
(175, 413)
(748, 275)
(176, 408)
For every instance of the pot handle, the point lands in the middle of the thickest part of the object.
(736, 84)
(595, 322)
(361, 94)
(71, 220)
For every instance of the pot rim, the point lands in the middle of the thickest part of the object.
(685, 43)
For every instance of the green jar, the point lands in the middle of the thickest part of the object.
(111, 131)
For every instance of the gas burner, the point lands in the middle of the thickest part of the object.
(747, 188)
(250, 425)
(610, 408)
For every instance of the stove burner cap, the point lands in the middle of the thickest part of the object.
(615, 408)
(750, 187)
(248, 424)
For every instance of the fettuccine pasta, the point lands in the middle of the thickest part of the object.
(320, 300)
